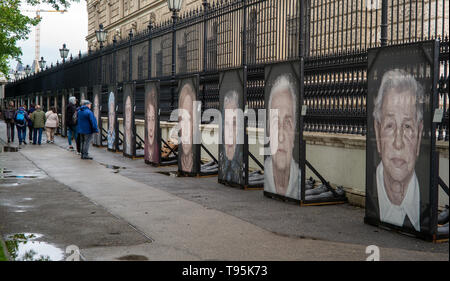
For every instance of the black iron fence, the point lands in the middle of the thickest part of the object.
(231, 33)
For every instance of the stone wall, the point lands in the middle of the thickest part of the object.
(340, 158)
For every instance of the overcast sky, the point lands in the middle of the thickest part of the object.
(56, 29)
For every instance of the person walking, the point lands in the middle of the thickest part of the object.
(71, 121)
(38, 120)
(30, 123)
(86, 127)
(21, 121)
(51, 124)
(8, 114)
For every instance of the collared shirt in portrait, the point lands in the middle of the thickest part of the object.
(410, 206)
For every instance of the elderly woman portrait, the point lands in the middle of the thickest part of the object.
(128, 129)
(151, 145)
(185, 119)
(398, 124)
(111, 121)
(232, 132)
(282, 173)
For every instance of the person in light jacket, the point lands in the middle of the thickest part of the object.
(51, 124)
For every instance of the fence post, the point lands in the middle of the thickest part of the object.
(130, 56)
(114, 80)
(384, 22)
(205, 34)
(244, 34)
(301, 90)
(174, 42)
(149, 55)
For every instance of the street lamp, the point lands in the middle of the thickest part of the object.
(101, 35)
(174, 7)
(64, 52)
(42, 63)
(28, 69)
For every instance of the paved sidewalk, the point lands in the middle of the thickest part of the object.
(198, 219)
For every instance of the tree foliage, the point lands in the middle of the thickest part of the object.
(15, 26)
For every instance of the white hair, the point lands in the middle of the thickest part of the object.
(231, 97)
(72, 100)
(401, 81)
(283, 82)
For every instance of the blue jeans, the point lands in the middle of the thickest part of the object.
(71, 133)
(35, 135)
(21, 133)
(85, 142)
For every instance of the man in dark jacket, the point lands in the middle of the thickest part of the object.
(86, 127)
(21, 121)
(8, 114)
(30, 123)
(71, 121)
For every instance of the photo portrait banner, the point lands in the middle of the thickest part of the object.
(152, 149)
(282, 166)
(129, 134)
(401, 170)
(96, 104)
(63, 115)
(112, 119)
(188, 137)
(231, 132)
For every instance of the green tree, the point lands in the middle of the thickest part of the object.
(14, 26)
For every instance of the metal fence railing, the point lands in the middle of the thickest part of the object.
(232, 33)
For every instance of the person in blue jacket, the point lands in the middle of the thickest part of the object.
(86, 127)
(21, 121)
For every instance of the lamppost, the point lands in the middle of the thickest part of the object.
(174, 7)
(42, 63)
(101, 35)
(64, 52)
(28, 69)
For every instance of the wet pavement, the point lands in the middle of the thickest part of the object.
(40, 217)
(187, 218)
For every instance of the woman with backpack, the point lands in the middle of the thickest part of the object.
(21, 120)
(51, 124)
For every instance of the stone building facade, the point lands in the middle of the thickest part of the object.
(120, 16)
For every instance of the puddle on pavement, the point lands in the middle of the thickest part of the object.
(24, 247)
(18, 177)
(133, 258)
(8, 149)
(12, 184)
(109, 166)
(170, 174)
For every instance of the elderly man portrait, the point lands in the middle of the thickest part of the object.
(398, 124)
(151, 145)
(232, 158)
(185, 119)
(282, 173)
(111, 121)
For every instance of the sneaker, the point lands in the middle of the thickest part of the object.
(24, 142)
(71, 147)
